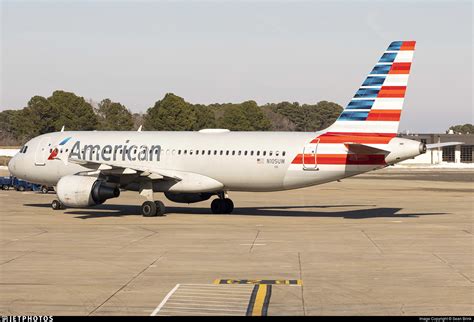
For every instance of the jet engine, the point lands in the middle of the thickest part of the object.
(82, 191)
(188, 197)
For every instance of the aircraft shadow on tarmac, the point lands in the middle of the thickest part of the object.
(104, 211)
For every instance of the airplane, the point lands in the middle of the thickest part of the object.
(87, 168)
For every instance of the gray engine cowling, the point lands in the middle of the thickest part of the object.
(188, 197)
(82, 191)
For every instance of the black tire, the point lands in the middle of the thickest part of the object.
(21, 188)
(5, 187)
(160, 208)
(44, 190)
(149, 209)
(229, 206)
(56, 205)
(218, 206)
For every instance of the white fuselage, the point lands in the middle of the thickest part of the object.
(241, 161)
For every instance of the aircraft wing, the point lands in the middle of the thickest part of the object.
(440, 145)
(118, 170)
(170, 180)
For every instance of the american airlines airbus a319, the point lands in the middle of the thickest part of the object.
(87, 168)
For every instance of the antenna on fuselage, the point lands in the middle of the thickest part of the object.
(140, 128)
(62, 129)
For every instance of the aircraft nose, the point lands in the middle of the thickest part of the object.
(12, 166)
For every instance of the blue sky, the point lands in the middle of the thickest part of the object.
(135, 52)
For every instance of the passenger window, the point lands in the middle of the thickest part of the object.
(264, 153)
(227, 152)
(251, 152)
(240, 152)
(190, 152)
(283, 153)
(185, 151)
(173, 152)
(270, 153)
(277, 153)
(215, 152)
(222, 152)
(179, 151)
(258, 153)
(233, 152)
(208, 152)
(245, 152)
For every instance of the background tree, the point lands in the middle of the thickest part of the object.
(114, 116)
(246, 116)
(171, 113)
(463, 129)
(40, 115)
(205, 118)
(73, 111)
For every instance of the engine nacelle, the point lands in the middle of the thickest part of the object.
(188, 197)
(82, 191)
(403, 149)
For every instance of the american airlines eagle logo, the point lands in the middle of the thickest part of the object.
(55, 151)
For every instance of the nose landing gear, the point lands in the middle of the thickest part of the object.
(57, 205)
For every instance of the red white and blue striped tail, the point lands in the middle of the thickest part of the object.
(377, 105)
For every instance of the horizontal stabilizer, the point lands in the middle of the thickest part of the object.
(364, 148)
(440, 145)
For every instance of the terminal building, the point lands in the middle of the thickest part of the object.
(458, 154)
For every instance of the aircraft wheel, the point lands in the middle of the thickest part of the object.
(229, 206)
(218, 206)
(5, 187)
(160, 208)
(149, 209)
(21, 188)
(56, 205)
(44, 189)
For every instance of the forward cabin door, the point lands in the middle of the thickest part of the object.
(42, 151)
(310, 156)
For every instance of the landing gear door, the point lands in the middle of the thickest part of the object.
(310, 156)
(42, 151)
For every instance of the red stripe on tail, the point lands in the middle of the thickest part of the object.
(384, 115)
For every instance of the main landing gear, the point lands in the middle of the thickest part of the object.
(222, 205)
(150, 208)
(153, 208)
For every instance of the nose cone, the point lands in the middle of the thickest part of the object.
(12, 166)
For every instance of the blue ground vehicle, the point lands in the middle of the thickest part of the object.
(22, 185)
(6, 182)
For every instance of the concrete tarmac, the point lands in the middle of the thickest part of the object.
(395, 242)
